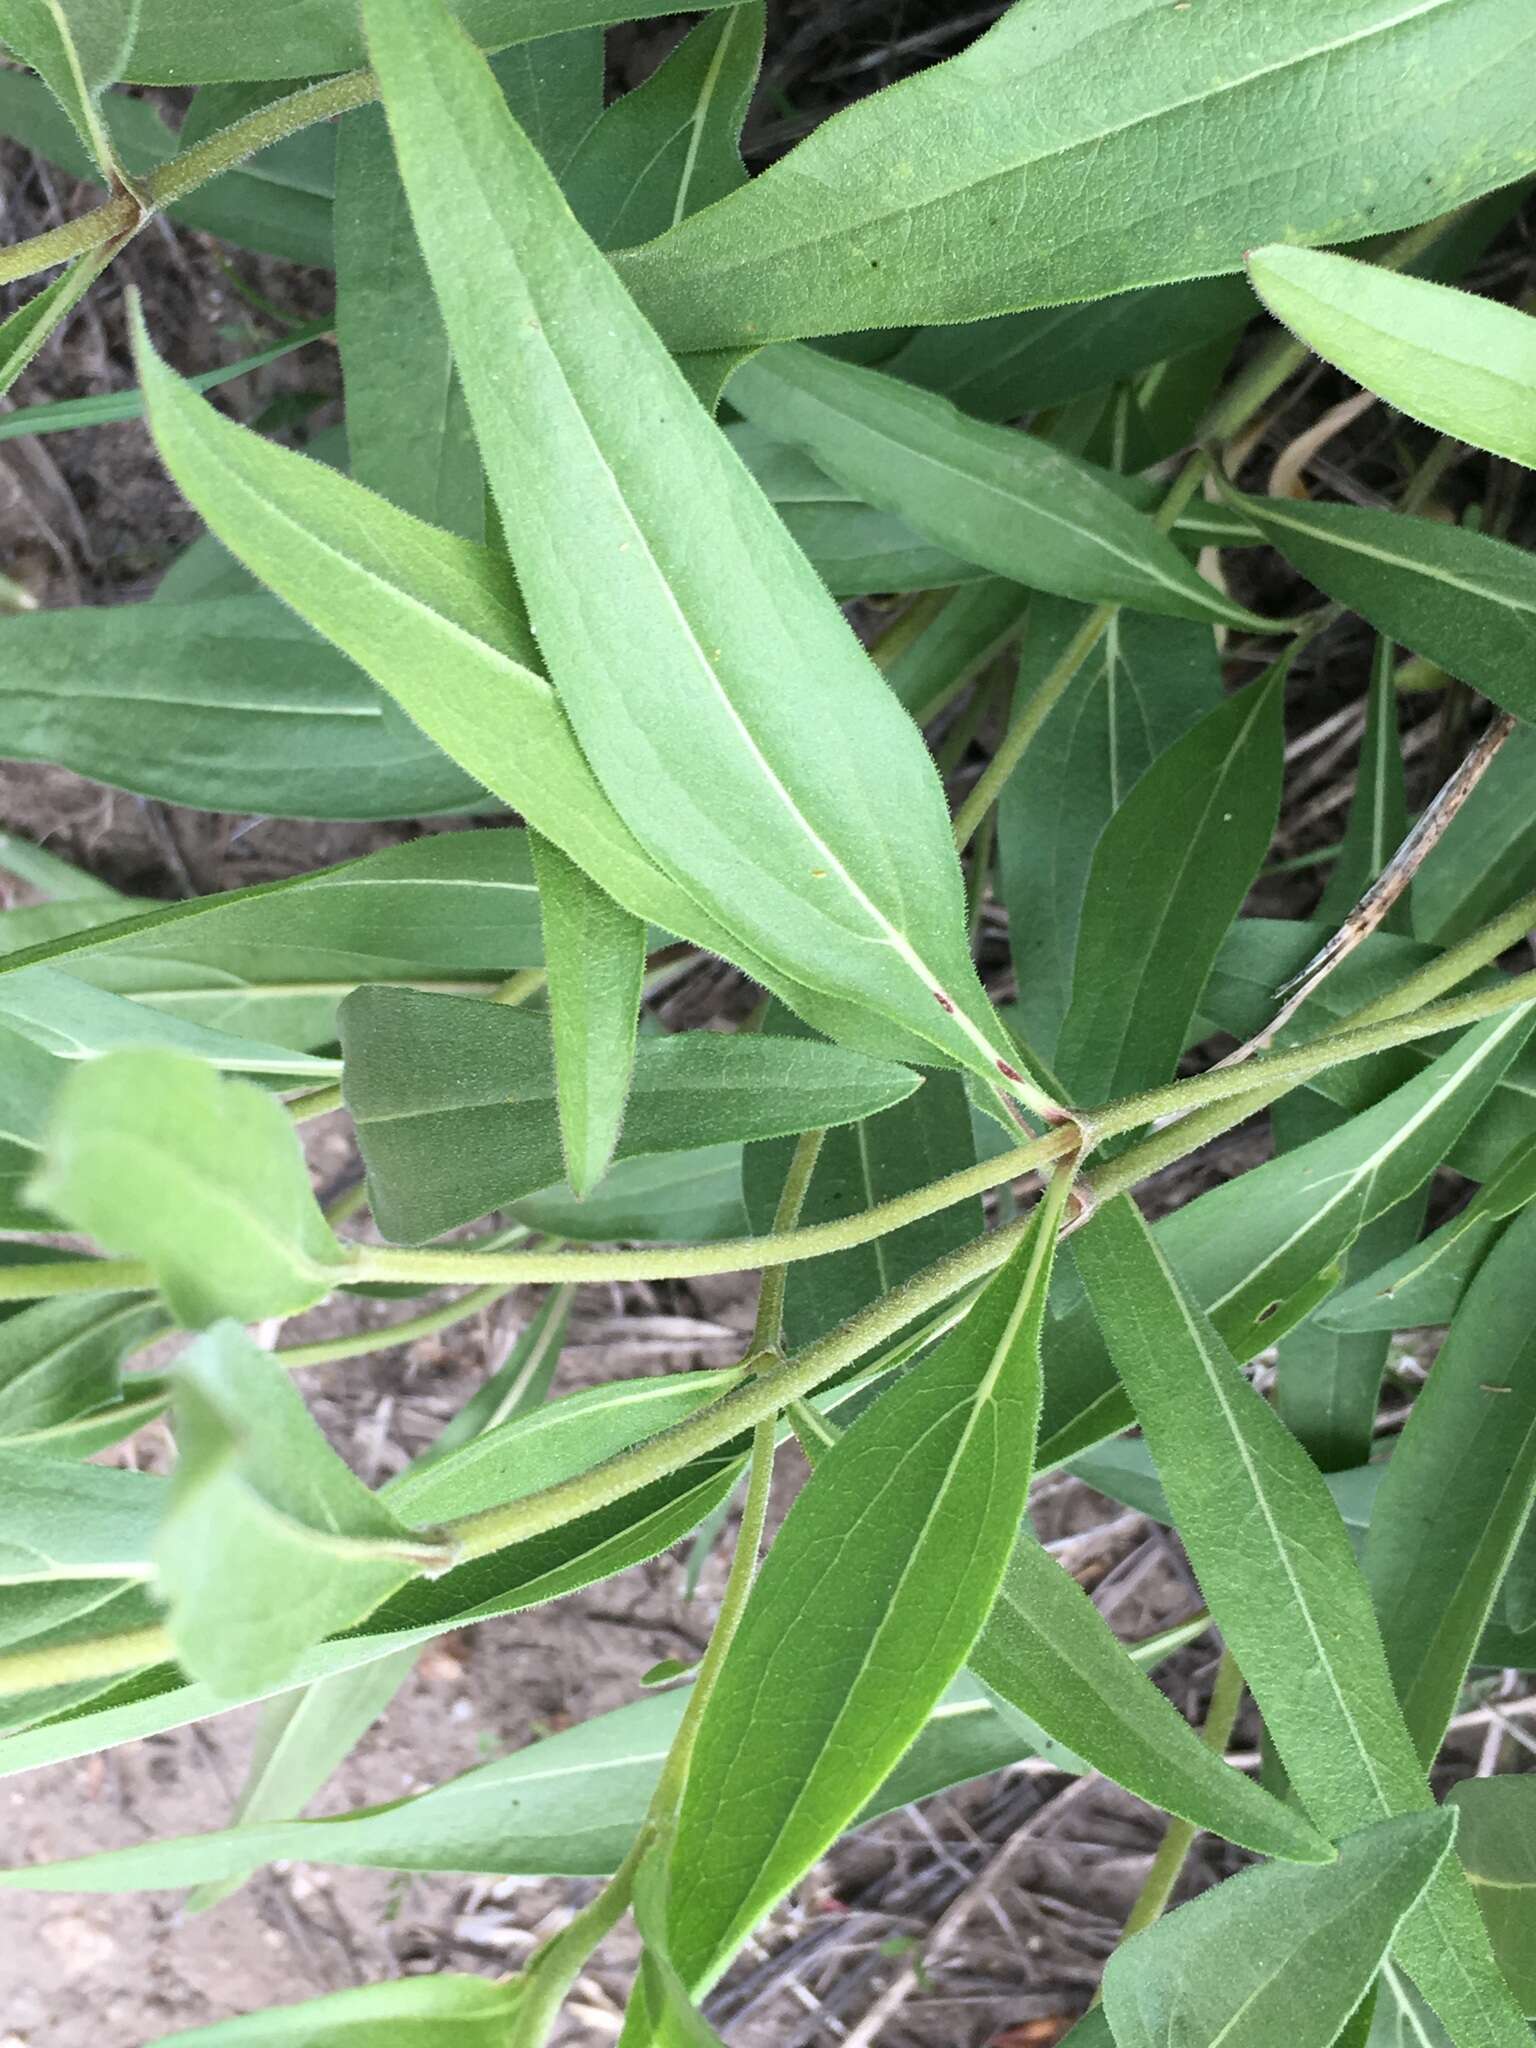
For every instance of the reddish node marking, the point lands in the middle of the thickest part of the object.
(1009, 1073)
(943, 1001)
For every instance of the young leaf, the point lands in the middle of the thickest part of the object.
(903, 207)
(673, 144)
(1463, 365)
(1378, 812)
(1465, 600)
(1497, 1843)
(595, 953)
(1160, 895)
(229, 703)
(408, 432)
(23, 332)
(1147, 682)
(1277, 1957)
(1047, 1651)
(1458, 1490)
(727, 711)
(78, 47)
(1288, 1598)
(1426, 1282)
(454, 1100)
(156, 1157)
(1006, 500)
(866, 1608)
(268, 1543)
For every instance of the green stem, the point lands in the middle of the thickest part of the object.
(319, 1102)
(517, 988)
(768, 1329)
(124, 215)
(553, 1969)
(97, 1657)
(1221, 1717)
(357, 1342)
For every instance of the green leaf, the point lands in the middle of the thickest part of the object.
(437, 622)
(1167, 878)
(78, 47)
(188, 41)
(1046, 1650)
(76, 1022)
(1378, 811)
(300, 1739)
(595, 953)
(1402, 2020)
(975, 625)
(229, 703)
(444, 2011)
(1278, 1957)
(1019, 362)
(1458, 1490)
(408, 432)
(156, 1157)
(1463, 599)
(62, 1521)
(1288, 1596)
(454, 1100)
(676, 1197)
(23, 332)
(1487, 855)
(268, 1543)
(1426, 1283)
(1463, 365)
(859, 1165)
(278, 957)
(673, 144)
(554, 85)
(1143, 687)
(61, 1394)
(727, 711)
(866, 1608)
(936, 201)
(1497, 1842)
(1005, 500)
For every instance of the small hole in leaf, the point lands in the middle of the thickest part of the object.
(1264, 1314)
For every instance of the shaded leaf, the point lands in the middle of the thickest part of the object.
(156, 1157)
(78, 47)
(1012, 503)
(454, 1100)
(595, 954)
(61, 1393)
(62, 1521)
(23, 332)
(1462, 364)
(1497, 1843)
(1278, 1957)
(443, 2011)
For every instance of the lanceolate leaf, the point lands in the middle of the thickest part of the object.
(454, 1100)
(1487, 857)
(443, 2011)
(672, 145)
(1287, 1595)
(1461, 364)
(1047, 1651)
(908, 206)
(74, 1021)
(1012, 503)
(1275, 1958)
(437, 622)
(1168, 876)
(1378, 814)
(1497, 1842)
(229, 703)
(23, 332)
(78, 47)
(1148, 681)
(1465, 600)
(728, 713)
(595, 952)
(866, 1608)
(1458, 1490)
(60, 1388)
(408, 432)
